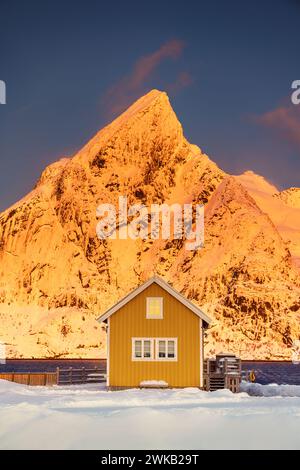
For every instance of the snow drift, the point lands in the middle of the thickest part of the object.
(88, 417)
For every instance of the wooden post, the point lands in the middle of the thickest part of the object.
(70, 376)
(28, 378)
(208, 375)
(13, 376)
(45, 379)
(82, 374)
(57, 375)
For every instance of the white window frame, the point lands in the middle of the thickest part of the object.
(148, 316)
(166, 359)
(143, 359)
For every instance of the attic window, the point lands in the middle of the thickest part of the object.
(154, 308)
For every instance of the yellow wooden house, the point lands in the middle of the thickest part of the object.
(155, 338)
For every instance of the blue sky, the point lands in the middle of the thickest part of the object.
(235, 64)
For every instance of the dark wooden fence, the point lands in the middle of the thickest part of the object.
(80, 376)
(68, 376)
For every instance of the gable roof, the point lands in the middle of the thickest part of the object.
(164, 285)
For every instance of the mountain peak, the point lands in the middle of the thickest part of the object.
(151, 118)
(258, 183)
(143, 104)
(147, 99)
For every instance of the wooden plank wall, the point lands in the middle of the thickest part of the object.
(34, 378)
(178, 322)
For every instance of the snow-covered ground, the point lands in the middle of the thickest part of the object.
(88, 417)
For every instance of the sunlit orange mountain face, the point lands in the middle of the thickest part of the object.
(57, 276)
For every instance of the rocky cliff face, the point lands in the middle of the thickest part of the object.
(291, 197)
(56, 276)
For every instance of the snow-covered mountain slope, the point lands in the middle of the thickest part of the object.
(56, 276)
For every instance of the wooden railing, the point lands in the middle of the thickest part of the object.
(72, 376)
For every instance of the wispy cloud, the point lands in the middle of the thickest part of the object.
(284, 121)
(183, 80)
(121, 94)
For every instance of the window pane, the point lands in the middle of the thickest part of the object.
(161, 349)
(154, 307)
(138, 348)
(147, 348)
(171, 349)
